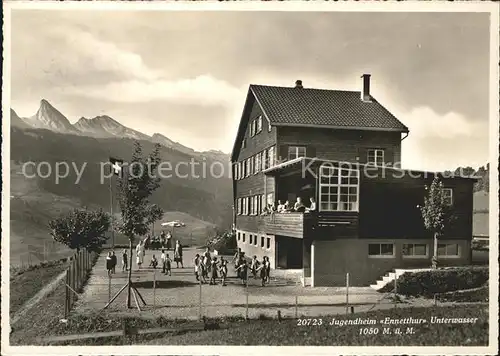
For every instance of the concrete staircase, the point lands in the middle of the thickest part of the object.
(391, 276)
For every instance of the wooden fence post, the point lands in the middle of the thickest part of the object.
(66, 299)
(154, 289)
(347, 293)
(395, 289)
(80, 281)
(73, 279)
(84, 265)
(200, 310)
(246, 294)
(77, 277)
(109, 287)
(296, 307)
(78, 270)
(70, 283)
(81, 269)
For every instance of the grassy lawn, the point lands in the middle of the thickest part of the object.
(27, 283)
(37, 322)
(287, 332)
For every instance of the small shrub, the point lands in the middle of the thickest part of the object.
(481, 294)
(428, 283)
(224, 244)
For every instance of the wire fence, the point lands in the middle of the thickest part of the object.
(76, 275)
(280, 299)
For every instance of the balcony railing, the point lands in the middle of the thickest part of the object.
(287, 224)
(302, 225)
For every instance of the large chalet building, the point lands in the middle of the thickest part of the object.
(342, 148)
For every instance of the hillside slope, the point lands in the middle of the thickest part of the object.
(32, 207)
(199, 195)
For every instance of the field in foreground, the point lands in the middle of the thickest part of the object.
(25, 285)
(288, 332)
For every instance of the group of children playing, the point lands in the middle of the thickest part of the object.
(166, 263)
(112, 261)
(263, 268)
(207, 267)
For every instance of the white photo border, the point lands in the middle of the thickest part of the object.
(347, 6)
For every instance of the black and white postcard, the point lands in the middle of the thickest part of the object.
(220, 178)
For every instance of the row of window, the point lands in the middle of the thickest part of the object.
(375, 156)
(255, 164)
(255, 240)
(382, 250)
(254, 204)
(255, 128)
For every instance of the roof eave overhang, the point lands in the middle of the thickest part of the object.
(237, 141)
(313, 162)
(403, 130)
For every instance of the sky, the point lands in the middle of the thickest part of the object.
(186, 74)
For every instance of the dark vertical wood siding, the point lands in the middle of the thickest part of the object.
(340, 145)
(255, 184)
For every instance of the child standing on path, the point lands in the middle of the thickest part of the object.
(223, 270)
(206, 264)
(262, 269)
(243, 272)
(115, 261)
(254, 266)
(267, 265)
(124, 261)
(196, 263)
(163, 259)
(168, 263)
(213, 271)
(109, 263)
(178, 254)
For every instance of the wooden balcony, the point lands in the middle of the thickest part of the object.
(289, 224)
(302, 225)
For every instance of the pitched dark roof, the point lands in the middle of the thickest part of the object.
(321, 107)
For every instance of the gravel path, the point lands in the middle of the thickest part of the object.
(178, 296)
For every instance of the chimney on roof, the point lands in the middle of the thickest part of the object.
(365, 93)
(298, 84)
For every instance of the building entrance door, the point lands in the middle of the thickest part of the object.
(288, 252)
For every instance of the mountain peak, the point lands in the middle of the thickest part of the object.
(106, 118)
(165, 141)
(45, 104)
(106, 126)
(48, 117)
(16, 121)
